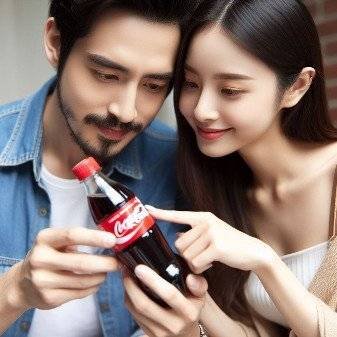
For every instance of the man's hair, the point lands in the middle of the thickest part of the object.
(75, 18)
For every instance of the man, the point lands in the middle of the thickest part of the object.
(114, 62)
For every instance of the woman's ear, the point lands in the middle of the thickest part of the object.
(52, 42)
(298, 89)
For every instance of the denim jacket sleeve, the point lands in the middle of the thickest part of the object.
(138, 333)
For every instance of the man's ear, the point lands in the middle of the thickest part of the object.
(52, 42)
(298, 89)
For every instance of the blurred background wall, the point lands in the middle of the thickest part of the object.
(23, 67)
(325, 15)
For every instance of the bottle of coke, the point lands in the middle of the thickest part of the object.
(139, 240)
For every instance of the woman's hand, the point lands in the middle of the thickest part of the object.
(182, 316)
(211, 239)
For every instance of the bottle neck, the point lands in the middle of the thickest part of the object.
(91, 185)
(96, 184)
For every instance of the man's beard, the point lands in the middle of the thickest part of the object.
(107, 148)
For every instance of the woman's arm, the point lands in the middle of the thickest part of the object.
(295, 303)
(211, 239)
(219, 324)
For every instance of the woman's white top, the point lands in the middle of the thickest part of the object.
(304, 264)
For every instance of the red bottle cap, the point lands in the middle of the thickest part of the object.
(86, 168)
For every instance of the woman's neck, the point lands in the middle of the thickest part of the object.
(277, 161)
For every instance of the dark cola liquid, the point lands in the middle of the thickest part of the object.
(101, 206)
(153, 250)
(150, 249)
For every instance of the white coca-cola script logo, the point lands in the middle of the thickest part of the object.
(121, 228)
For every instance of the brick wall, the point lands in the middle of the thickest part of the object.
(325, 15)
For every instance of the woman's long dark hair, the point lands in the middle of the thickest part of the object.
(282, 34)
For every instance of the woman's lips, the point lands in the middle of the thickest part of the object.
(113, 134)
(212, 134)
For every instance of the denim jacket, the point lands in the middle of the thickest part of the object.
(146, 166)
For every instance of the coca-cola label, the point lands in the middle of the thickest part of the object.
(128, 223)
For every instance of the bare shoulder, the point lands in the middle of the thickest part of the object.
(320, 167)
(327, 168)
(328, 155)
(332, 147)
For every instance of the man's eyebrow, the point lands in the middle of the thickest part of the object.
(105, 62)
(222, 76)
(162, 77)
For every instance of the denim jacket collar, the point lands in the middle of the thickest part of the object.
(25, 143)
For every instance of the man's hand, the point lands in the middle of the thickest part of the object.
(183, 314)
(54, 272)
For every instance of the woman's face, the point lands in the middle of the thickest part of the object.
(229, 97)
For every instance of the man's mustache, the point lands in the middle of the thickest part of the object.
(111, 121)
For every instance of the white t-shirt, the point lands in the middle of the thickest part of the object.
(304, 265)
(77, 318)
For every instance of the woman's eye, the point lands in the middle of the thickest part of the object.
(231, 92)
(107, 77)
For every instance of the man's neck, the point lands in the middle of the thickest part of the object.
(60, 152)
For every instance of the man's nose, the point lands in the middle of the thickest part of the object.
(124, 108)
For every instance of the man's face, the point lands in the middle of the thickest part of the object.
(115, 81)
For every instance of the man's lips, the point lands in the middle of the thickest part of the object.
(211, 134)
(113, 134)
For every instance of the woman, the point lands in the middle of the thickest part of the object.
(258, 151)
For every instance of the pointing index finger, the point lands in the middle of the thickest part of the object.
(178, 217)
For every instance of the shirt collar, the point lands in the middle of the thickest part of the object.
(25, 143)
(127, 162)
(25, 140)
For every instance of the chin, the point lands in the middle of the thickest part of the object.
(214, 153)
(216, 150)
